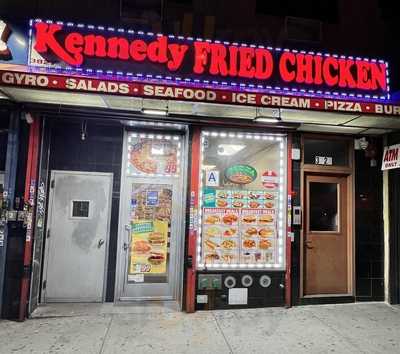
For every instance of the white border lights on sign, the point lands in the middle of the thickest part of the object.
(154, 136)
(197, 81)
(281, 228)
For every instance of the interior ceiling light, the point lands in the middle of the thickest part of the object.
(229, 149)
(267, 120)
(154, 112)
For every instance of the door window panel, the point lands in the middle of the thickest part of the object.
(336, 150)
(323, 207)
(80, 208)
(153, 155)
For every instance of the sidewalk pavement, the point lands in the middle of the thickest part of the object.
(348, 328)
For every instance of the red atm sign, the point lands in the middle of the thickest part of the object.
(391, 157)
(100, 50)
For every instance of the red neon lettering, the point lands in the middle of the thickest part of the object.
(201, 50)
(318, 70)
(178, 53)
(157, 50)
(118, 48)
(73, 44)
(213, 58)
(346, 78)
(218, 63)
(233, 54)
(264, 64)
(378, 72)
(137, 50)
(45, 40)
(304, 68)
(95, 46)
(287, 58)
(246, 68)
(363, 80)
(330, 78)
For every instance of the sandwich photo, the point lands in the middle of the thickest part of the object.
(157, 238)
(248, 219)
(265, 232)
(222, 203)
(229, 219)
(251, 231)
(156, 258)
(141, 246)
(212, 219)
(265, 219)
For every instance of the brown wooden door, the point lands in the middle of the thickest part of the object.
(326, 236)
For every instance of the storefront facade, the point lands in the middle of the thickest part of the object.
(201, 173)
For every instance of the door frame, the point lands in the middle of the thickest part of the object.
(51, 198)
(180, 244)
(338, 171)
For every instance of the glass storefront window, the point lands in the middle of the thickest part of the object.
(243, 198)
(153, 155)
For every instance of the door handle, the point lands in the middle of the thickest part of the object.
(128, 230)
(100, 243)
(307, 244)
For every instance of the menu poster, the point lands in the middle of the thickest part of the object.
(239, 226)
(148, 247)
(150, 219)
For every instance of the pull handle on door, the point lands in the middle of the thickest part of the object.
(307, 244)
(100, 243)
(128, 230)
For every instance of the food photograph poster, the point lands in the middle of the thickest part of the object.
(242, 202)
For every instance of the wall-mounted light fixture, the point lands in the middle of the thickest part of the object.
(275, 117)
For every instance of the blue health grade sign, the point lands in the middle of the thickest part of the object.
(125, 54)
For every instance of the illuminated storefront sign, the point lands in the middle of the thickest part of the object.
(109, 51)
(173, 92)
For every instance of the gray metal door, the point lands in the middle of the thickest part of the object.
(151, 217)
(77, 236)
